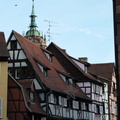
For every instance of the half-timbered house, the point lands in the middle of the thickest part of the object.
(3, 77)
(91, 86)
(107, 71)
(40, 88)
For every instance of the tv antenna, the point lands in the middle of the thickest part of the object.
(49, 29)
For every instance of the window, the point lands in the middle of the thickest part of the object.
(48, 56)
(42, 96)
(21, 55)
(32, 96)
(96, 108)
(37, 85)
(52, 98)
(87, 106)
(101, 109)
(1, 100)
(97, 89)
(114, 88)
(64, 102)
(43, 69)
(85, 69)
(63, 77)
(90, 107)
(45, 72)
(103, 88)
(112, 107)
(75, 104)
(83, 106)
(17, 73)
(13, 45)
(60, 100)
(71, 80)
(74, 84)
(69, 103)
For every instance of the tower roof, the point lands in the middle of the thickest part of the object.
(33, 31)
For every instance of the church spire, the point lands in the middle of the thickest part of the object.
(33, 34)
(32, 31)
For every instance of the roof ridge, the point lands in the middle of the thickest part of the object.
(102, 63)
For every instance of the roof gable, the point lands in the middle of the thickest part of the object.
(53, 81)
(104, 70)
(68, 61)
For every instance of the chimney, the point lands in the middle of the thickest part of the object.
(83, 59)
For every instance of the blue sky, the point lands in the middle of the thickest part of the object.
(84, 27)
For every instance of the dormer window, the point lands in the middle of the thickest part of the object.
(37, 85)
(71, 80)
(48, 56)
(67, 80)
(86, 69)
(42, 96)
(32, 96)
(64, 78)
(43, 69)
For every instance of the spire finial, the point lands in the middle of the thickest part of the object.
(33, 25)
(33, 2)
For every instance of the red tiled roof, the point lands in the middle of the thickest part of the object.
(104, 70)
(53, 81)
(32, 107)
(3, 46)
(69, 58)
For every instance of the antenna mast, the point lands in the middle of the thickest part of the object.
(49, 29)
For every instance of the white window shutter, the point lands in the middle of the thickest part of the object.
(90, 107)
(113, 107)
(101, 109)
(95, 108)
(82, 105)
(74, 104)
(77, 105)
(52, 98)
(60, 100)
(65, 102)
(1, 101)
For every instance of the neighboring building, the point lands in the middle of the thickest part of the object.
(116, 17)
(40, 88)
(3, 77)
(91, 86)
(33, 34)
(107, 71)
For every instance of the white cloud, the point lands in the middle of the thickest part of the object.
(85, 30)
